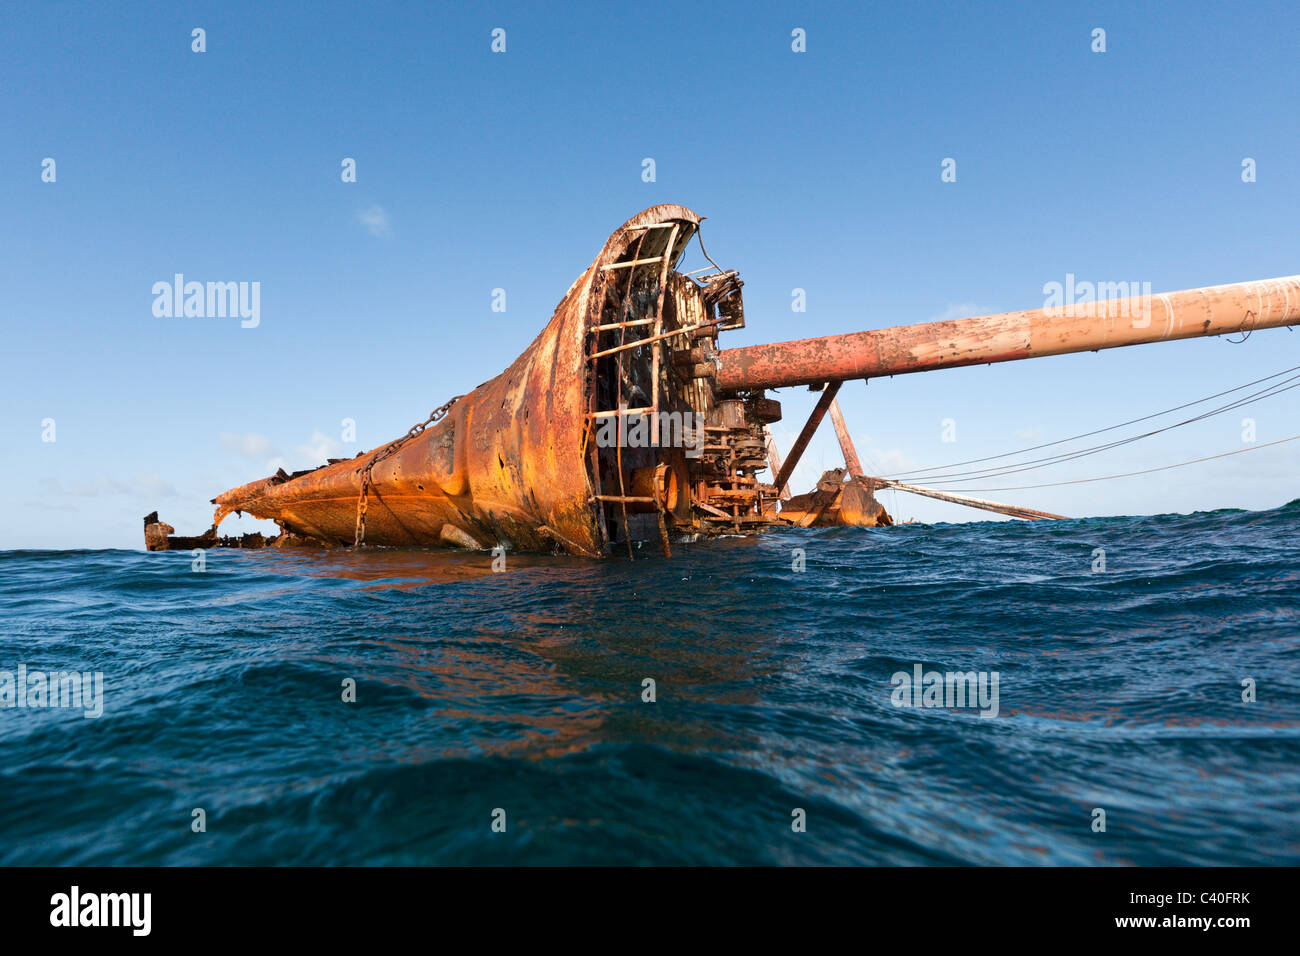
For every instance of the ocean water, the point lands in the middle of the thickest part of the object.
(518, 697)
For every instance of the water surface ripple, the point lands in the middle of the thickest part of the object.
(522, 691)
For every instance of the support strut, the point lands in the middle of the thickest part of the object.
(846, 443)
(805, 436)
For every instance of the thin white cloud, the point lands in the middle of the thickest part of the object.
(376, 221)
(319, 447)
(96, 488)
(49, 506)
(249, 445)
(889, 461)
(153, 486)
(104, 487)
(261, 449)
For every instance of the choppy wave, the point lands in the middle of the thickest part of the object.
(522, 691)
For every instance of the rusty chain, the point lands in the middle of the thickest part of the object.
(364, 500)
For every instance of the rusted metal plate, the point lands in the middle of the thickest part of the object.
(819, 508)
(859, 507)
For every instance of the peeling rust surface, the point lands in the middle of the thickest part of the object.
(859, 507)
(819, 508)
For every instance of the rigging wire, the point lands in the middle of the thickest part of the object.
(1145, 471)
(918, 474)
(1033, 464)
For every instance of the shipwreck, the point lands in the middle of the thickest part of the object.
(519, 461)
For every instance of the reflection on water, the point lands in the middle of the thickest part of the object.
(387, 567)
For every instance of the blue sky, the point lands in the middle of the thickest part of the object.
(816, 170)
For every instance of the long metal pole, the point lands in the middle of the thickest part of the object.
(1054, 330)
(1029, 514)
(846, 443)
(774, 461)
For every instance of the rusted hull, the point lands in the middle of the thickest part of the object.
(506, 460)
(508, 464)
(521, 461)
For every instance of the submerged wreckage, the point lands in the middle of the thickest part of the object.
(531, 459)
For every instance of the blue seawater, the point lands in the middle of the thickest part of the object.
(518, 697)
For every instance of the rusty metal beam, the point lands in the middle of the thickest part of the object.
(774, 462)
(805, 436)
(1217, 310)
(1028, 514)
(846, 443)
